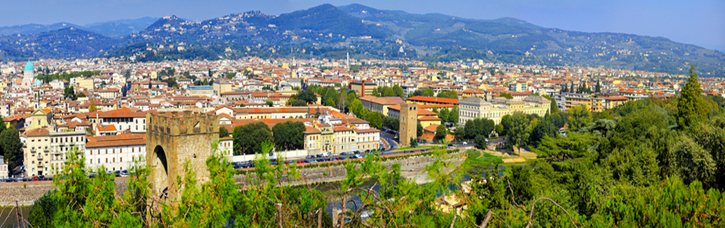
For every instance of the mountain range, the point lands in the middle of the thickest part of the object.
(332, 31)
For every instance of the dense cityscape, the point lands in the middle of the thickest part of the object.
(356, 140)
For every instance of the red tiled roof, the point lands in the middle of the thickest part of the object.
(116, 140)
(37, 132)
(383, 100)
(433, 100)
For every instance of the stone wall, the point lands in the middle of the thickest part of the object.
(412, 167)
(27, 192)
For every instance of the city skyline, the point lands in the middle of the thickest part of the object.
(667, 19)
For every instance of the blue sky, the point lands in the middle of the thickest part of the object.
(699, 22)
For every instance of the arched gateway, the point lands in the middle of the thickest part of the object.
(172, 139)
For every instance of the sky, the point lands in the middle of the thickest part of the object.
(699, 22)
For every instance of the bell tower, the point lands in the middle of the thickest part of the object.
(408, 123)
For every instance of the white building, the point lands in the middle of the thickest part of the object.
(45, 151)
(4, 171)
(115, 152)
(474, 107)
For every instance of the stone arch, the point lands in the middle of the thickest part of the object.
(161, 171)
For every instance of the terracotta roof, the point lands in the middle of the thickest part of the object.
(341, 128)
(433, 100)
(383, 100)
(38, 132)
(116, 140)
(429, 118)
(431, 128)
(109, 127)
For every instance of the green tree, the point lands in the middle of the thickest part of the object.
(69, 93)
(223, 132)
(480, 142)
(289, 135)
(443, 114)
(428, 92)
(440, 134)
(453, 116)
(248, 138)
(448, 94)
(691, 106)
(12, 148)
(517, 133)
(579, 118)
(478, 126)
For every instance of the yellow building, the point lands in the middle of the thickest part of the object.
(363, 88)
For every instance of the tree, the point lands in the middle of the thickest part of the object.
(542, 129)
(517, 132)
(448, 94)
(506, 95)
(478, 126)
(307, 96)
(248, 138)
(598, 87)
(269, 103)
(69, 93)
(12, 148)
(453, 116)
(579, 118)
(289, 135)
(375, 119)
(440, 134)
(443, 114)
(92, 107)
(223, 132)
(419, 129)
(692, 162)
(428, 92)
(413, 143)
(480, 142)
(691, 106)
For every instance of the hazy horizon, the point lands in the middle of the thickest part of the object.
(703, 27)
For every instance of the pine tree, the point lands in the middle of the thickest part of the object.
(691, 105)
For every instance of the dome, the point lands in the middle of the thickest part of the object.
(29, 67)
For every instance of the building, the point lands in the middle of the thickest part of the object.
(29, 75)
(474, 107)
(363, 88)
(123, 119)
(380, 104)
(432, 100)
(46, 151)
(115, 152)
(408, 124)
(4, 169)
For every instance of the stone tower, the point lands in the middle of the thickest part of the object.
(408, 123)
(173, 138)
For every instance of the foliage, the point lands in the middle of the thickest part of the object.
(448, 94)
(480, 141)
(691, 105)
(69, 93)
(476, 127)
(428, 92)
(12, 148)
(223, 132)
(440, 134)
(579, 117)
(517, 130)
(248, 138)
(389, 91)
(65, 76)
(289, 135)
